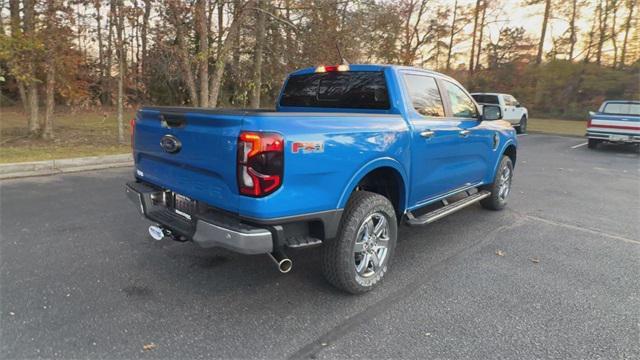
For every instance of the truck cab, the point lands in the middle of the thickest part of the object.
(349, 153)
(512, 110)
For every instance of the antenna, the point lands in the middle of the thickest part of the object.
(342, 59)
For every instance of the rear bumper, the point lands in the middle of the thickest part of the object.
(214, 228)
(613, 137)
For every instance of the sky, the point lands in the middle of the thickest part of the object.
(530, 18)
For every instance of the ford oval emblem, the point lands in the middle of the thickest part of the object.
(170, 144)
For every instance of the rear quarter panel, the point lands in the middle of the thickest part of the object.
(317, 180)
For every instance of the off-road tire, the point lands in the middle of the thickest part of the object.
(338, 254)
(494, 201)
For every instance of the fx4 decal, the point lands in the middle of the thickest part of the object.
(307, 147)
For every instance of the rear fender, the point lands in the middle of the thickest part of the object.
(369, 167)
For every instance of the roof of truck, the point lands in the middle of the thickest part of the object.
(373, 67)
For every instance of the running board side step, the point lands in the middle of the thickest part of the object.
(437, 214)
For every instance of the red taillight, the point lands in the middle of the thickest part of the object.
(260, 163)
(589, 123)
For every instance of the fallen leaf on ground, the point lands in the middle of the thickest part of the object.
(500, 253)
(149, 347)
(535, 260)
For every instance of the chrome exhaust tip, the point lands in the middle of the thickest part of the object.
(283, 263)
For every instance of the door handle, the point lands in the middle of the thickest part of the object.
(464, 133)
(427, 133)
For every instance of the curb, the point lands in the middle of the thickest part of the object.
(51, 167)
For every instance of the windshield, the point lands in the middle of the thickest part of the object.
(620, 108)
(486, 99)
(344, 89)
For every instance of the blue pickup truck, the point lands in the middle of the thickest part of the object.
(349, 153)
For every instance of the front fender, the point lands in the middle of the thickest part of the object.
(503, 148)
(366, 169)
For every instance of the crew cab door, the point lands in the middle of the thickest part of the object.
(510, 110)
(440, 151)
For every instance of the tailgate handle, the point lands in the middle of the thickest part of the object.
(172, 120)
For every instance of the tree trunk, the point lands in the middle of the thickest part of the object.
(143, 31)
(543, 32)
(32, 85)
(16, 31)
(202, 30)
(50, 67)
(476, 12)
(121, 53)
(602, 27)
(257, 56)
(107, 87)
(97, 5)
(183, 52)
(452, 34)
(572, 29)
(627, 26)
(49, 100)
(614, 33)
(482, 23)
(216, 79)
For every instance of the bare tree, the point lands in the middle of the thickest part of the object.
(631, 4)
(254, 100)
(413, 37)
(29, 25)
(223, 52)
(175, 17)
(481, 26)
(603, 17)
(614, 5)
(50, 69)
(543, 29)
(476, 13)
(202, 31)
(452, 34)
(117, 7)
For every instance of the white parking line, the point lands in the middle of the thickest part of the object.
(579, 145)
(522, 134)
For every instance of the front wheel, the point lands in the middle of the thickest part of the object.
(501, 186)
(593, 143)
(522, 128)
(359, 257)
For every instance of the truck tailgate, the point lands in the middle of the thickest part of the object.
(203, 166)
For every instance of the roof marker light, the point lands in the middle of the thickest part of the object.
(331, 68)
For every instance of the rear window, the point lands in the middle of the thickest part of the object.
(486, 99)
(345, 89)
(622, 108)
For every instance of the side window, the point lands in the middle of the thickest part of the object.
(509, 100)
(425, 95)
(461, 103)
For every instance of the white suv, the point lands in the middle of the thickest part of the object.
(512, 111)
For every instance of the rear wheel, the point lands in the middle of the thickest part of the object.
(501, 186)
(522, 128)
(357, 260)
(593, 143)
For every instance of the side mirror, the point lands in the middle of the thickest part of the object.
(518, 105)
(491, 112)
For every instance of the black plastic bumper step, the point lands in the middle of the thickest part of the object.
(446, 210)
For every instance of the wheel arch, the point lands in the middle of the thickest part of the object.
(384, 176)
(511, 151)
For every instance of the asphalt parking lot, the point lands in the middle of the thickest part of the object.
(556, 275)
